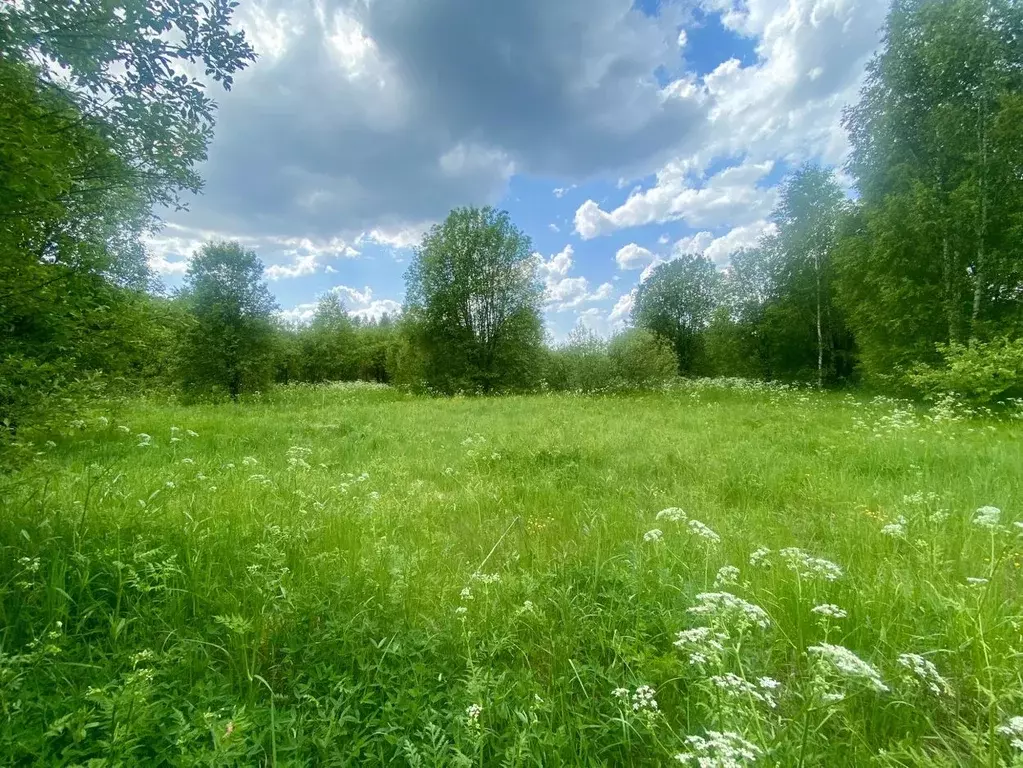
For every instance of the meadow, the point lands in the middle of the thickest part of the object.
(717, 574)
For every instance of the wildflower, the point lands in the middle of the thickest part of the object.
(175, 439)
(703, 644)
(466, 593)
(830, 610)
(727, 575)
(175, 429)
(653, 535)
(987, 517)
(620, 693)
(229, 465)
(486, 578)
(250, 461)
(733, 685)
(170, 484)
(719, 749)
(374, 496)
(728, 607)
(897, 529)
(188, 461)
(976, 581)
(808, 566)
(926, 672)
(1014, 730)
(461, 610)
(144, 439)
(847, 664)
(229, 729)
(699, 529)
(528, 606)
(124, 428)
(643, 699)
(473, 712)
(672, 514)
(759, 557)
(191, 433)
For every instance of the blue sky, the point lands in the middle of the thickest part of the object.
(617, 134)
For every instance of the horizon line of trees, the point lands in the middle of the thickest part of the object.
(917, 282)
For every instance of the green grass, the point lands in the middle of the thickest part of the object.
(286, 587)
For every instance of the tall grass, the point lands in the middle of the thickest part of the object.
(352, 576)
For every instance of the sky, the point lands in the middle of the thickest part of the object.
(617, 135)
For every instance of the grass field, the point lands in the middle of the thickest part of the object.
(354, 576)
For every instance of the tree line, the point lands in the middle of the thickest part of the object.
(913, 280)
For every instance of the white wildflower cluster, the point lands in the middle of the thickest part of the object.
(486, 578)
(653, 536)
(144, 440)
(703, 645)
(729, 609)
(672, 515)
(297, 456)
(124, 428)
(760, 557)
(848, 665)
(739, 687)
(727, 576)
(250, 461)
(643, 699)
(621, 693)
(988, 517)
(700, 529)
(1014, 730)
(896, 529)
(808, 566)
(719, 749)
(472, 714)
(829, 610)
(191, 433)
(923, 671)
(976, 581)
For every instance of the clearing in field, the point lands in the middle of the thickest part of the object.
(346, 575)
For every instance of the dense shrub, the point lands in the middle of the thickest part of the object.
(981, 372)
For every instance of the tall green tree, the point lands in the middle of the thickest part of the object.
(328, 343)
(228, 346)
(474, 299)
(99, 123)
(932, 254)
(807, 219)
(676, 302)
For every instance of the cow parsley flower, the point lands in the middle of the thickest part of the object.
(727, 575)
(848, 665)
(758, 557)
(808, 566)
(700, 529)
(976, 581)
(250, 461)
(1014, 730)
(466, 593)
(719, 749)
(191, 433)
(926, 673)
(672, 515)
(473, 712)
(896, 529)
(643, 699)
(702, 644)
(654, 535)
(830, 610)
(620, 693)
(739, 687)
(988, 517)
(486, 578)
(124, 428)
(728, 608)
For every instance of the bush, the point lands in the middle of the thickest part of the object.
(634, 359)
(640, 360)
(984, 373)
